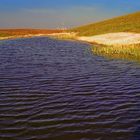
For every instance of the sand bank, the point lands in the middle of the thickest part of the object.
(113, 39)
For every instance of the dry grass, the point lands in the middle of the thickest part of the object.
(128, 23)
(4, 34)
(20, 32)
(130, 52)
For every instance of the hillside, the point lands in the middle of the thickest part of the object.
(127, 23)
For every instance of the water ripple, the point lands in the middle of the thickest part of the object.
(52, 89)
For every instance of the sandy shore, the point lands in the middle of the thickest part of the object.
(113, 39)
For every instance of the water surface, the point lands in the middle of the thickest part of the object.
(59, 90)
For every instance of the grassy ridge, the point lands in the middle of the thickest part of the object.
(127, 23)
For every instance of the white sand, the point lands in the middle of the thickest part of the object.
(121, 38)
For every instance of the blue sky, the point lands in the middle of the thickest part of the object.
(60, 13)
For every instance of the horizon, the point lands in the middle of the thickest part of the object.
(61, 13)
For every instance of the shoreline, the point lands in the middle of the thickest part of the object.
(114, 41)
(64, 35)
(110, 39)
(22, 36)
(120, 45)
(114, 45)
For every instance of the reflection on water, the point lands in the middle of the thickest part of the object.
(51, 89)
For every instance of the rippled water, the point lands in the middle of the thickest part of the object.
(59, 90)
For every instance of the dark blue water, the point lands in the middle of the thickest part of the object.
(59, 90)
